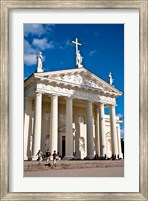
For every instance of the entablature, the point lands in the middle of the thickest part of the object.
(76, 93)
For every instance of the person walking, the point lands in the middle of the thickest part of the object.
(39, 154)
(54, 158)
(48, 154)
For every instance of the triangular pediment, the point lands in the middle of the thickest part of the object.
(79, 77)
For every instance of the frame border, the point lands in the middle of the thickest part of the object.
(5, 6)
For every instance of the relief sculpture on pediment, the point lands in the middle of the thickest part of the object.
(78, 79)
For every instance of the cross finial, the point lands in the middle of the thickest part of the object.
(76, 43)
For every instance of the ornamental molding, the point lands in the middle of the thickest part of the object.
(75, 93)
(68, 92)
(107, 99)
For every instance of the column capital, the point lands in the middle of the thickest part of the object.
(54, 96)
(101, 104)
(89, 101)
(113, 105)
(38, 93)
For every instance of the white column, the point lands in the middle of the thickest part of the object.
(69, 128)
(113, 130)
(102, 130)
(97, 133)
(37, 124)
(119, 143)
(90, 140)
(27, 113)
(54, 125)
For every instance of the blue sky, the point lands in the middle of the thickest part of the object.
(102, 50)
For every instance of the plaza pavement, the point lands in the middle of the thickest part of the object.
(82, 168)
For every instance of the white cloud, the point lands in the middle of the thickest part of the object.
(27, 48)
(49, 27)
(30, 59)
(38, 29)
(92, 52)
(34, 29)
(42, 43)
(29, 54)
(63, 45)
(68, 42)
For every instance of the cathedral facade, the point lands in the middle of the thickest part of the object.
(65, 111)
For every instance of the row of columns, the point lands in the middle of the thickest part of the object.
(53, 125)
(100, 132)
(100, 135)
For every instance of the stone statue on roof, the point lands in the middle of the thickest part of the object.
(110, 78)
(79, 58)
(39, 59)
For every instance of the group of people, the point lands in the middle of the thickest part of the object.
(47, 156)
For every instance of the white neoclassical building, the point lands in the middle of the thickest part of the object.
(65, 111)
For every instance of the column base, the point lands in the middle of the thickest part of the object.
(114, 157)
(121, 156)
(89, 157)
(34, 158)
(25, 158)
(68, 157)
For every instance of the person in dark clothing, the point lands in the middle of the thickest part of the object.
(54, 158)
(48, 154)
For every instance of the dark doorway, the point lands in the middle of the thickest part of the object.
(63, 146)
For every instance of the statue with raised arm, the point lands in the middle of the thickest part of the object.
(110, 78)
(39, 59)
